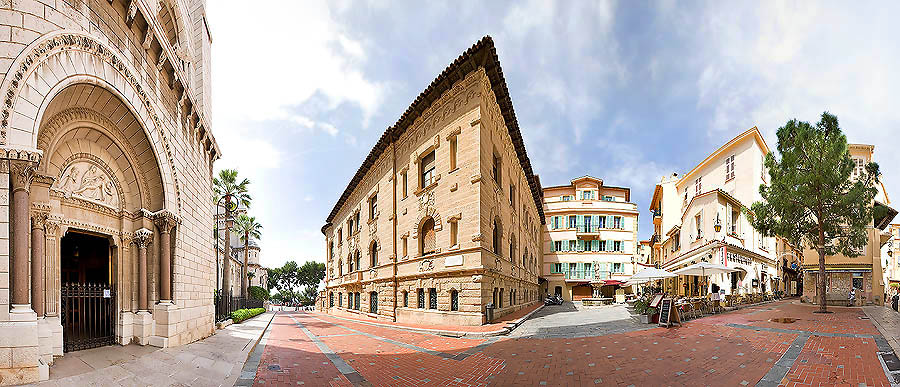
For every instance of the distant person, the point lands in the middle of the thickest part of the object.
(851, 298)
(895, 299)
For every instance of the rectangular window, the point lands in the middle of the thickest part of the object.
(557, 245)
(432, 298)
(373, 206)
(602, 246)
(373, 302)
(601, 222)
(617, 223)
(404, 182)
(557, 268)
(617, 246)
(618, 268)
(698, 226)
(420, 298)
(454, 229)
(698, 186)
(588, 273)
(454, 300)
(453, 153)
(340, 300)
(356, 221)
(858, 167)
(512, 196)
(405, 299)
(497, 169)
(573, 221)
(330, 300)
(405, 246)
(427, 170)
(729, 168)
(340, 236)
(608, 198)
(572, 270)
(567, 198)
(735, 217)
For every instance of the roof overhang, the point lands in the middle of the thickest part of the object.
(884, 215)
(750, 133)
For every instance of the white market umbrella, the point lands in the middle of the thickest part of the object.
(650, 274)
(704, 269)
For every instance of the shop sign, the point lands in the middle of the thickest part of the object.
(737, 258)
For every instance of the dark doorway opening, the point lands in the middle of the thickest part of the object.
(87, 295)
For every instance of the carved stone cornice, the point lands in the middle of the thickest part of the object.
(44, 179)
(21, 174)
(143, 238)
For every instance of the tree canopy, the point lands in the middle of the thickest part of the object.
(816, 196)
(227, 184)
(290, 278)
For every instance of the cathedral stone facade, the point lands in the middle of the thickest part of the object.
(443, 219)
(105, 178)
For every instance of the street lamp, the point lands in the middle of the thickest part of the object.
(718, 225)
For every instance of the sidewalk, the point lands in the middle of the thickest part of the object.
(503, 326)
(214, 361)
(888, 323)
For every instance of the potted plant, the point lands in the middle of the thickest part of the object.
(646, 313)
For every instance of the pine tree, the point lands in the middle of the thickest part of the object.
(812, 200)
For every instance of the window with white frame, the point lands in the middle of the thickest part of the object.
(729, 168)
(426, 166)
(698, 186)
(858, 167)
(698, 226)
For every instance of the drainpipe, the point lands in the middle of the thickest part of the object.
(394, 220)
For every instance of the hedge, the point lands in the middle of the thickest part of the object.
(259, 293)
(243, 314)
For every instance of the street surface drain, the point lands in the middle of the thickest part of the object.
(784, 320)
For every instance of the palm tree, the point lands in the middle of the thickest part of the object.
(226, 186)
(248, 228)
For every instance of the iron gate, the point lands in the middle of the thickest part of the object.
(88, 316)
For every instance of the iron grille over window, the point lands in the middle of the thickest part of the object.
(420, 295)
(454, 300)
(432, 298)
(373, 302)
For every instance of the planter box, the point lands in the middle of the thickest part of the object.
(644, 319)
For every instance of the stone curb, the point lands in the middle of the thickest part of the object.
(441, 332)
(248, 374)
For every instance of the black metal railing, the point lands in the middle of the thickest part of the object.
(88, 315)
(226, 303)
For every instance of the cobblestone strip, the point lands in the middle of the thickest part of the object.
(778, 371)
(402, 344)
(476, 349)
(339, 363)
(799, 332)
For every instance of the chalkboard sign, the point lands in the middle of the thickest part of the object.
(668, 313)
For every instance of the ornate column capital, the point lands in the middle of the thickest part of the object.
(165, 220)
(21, 174)
(52, 226)
(38, 219)
(143, 238)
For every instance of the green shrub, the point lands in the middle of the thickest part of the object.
(243, 314)
(259, 293)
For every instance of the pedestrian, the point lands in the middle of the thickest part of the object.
(851, 298)
(895, 299)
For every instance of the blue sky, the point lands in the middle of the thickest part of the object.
(624, 91)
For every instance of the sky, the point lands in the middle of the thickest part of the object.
(624, 91)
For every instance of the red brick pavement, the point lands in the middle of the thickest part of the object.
(501, 322)
(703, 352)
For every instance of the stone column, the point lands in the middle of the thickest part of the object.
(143, 238)
(21, 173)
(165, 221)
(38, 220)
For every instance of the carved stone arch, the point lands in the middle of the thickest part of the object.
(182, 43)
(62, 58)
(76, 118)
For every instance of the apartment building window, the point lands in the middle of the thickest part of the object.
(735, 217)
(340, 236)
(698, 186)
(373, 254)
(453, 147)
(573, 221)
(858, 167)
(729, 168)
(525, 258)
(698, 226)
(454, 300)
(405, 299)
(618, 268)
(350, 228)
(432, 298)
(587, 223)
(340, 268)
(676, 243)
(608, 198)
(512, 297)
(500, 299)
(428, 243)
(557, 268)
(454, 231)
(373, 302)
(587, 195)
(357, 261)
(573, 269)
(567, 198)
(555, 222)
(373, 206)
(601, 245)
(587, 270)
(512, 249)
(426, 170)
(331, 250)
(617, 246)
(617, 222)
(404, 183)
(420, 298)
(350, 264)
(330, 300)
(497, 169)
(356, 301)
(340, 300)
(601, 222)
(557, 246)
(512, 196)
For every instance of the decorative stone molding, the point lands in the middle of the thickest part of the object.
(165, 221)
(477, 237)
(373, 273)
(143, 238)
(39, 219)
(476, 178)
(426, 265)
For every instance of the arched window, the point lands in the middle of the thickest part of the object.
(512, 250)
(454, 300)
(498, 236)
(373, 255)
(340, 268)
(373, 302)
(525, 258)
(357, 262)
(350, 264)
(427, 240)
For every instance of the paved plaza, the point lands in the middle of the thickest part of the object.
(739, 348)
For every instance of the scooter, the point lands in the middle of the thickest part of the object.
(553, 300)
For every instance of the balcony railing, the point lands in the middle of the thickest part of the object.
(580, 274)
(595, 228)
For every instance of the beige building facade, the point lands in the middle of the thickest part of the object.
(590, 243)
(105, 162)
(443, 218)
(866, 272)
(686, 210)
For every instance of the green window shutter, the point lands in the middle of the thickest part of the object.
(578, 268)
(552, 247)
(595, 221)
(579, 222)
(609, 245)
(609, 221)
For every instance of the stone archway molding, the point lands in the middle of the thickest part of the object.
(106, 69)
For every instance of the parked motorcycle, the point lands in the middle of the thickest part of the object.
(553, 300)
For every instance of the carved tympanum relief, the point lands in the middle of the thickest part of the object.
(87, 181)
